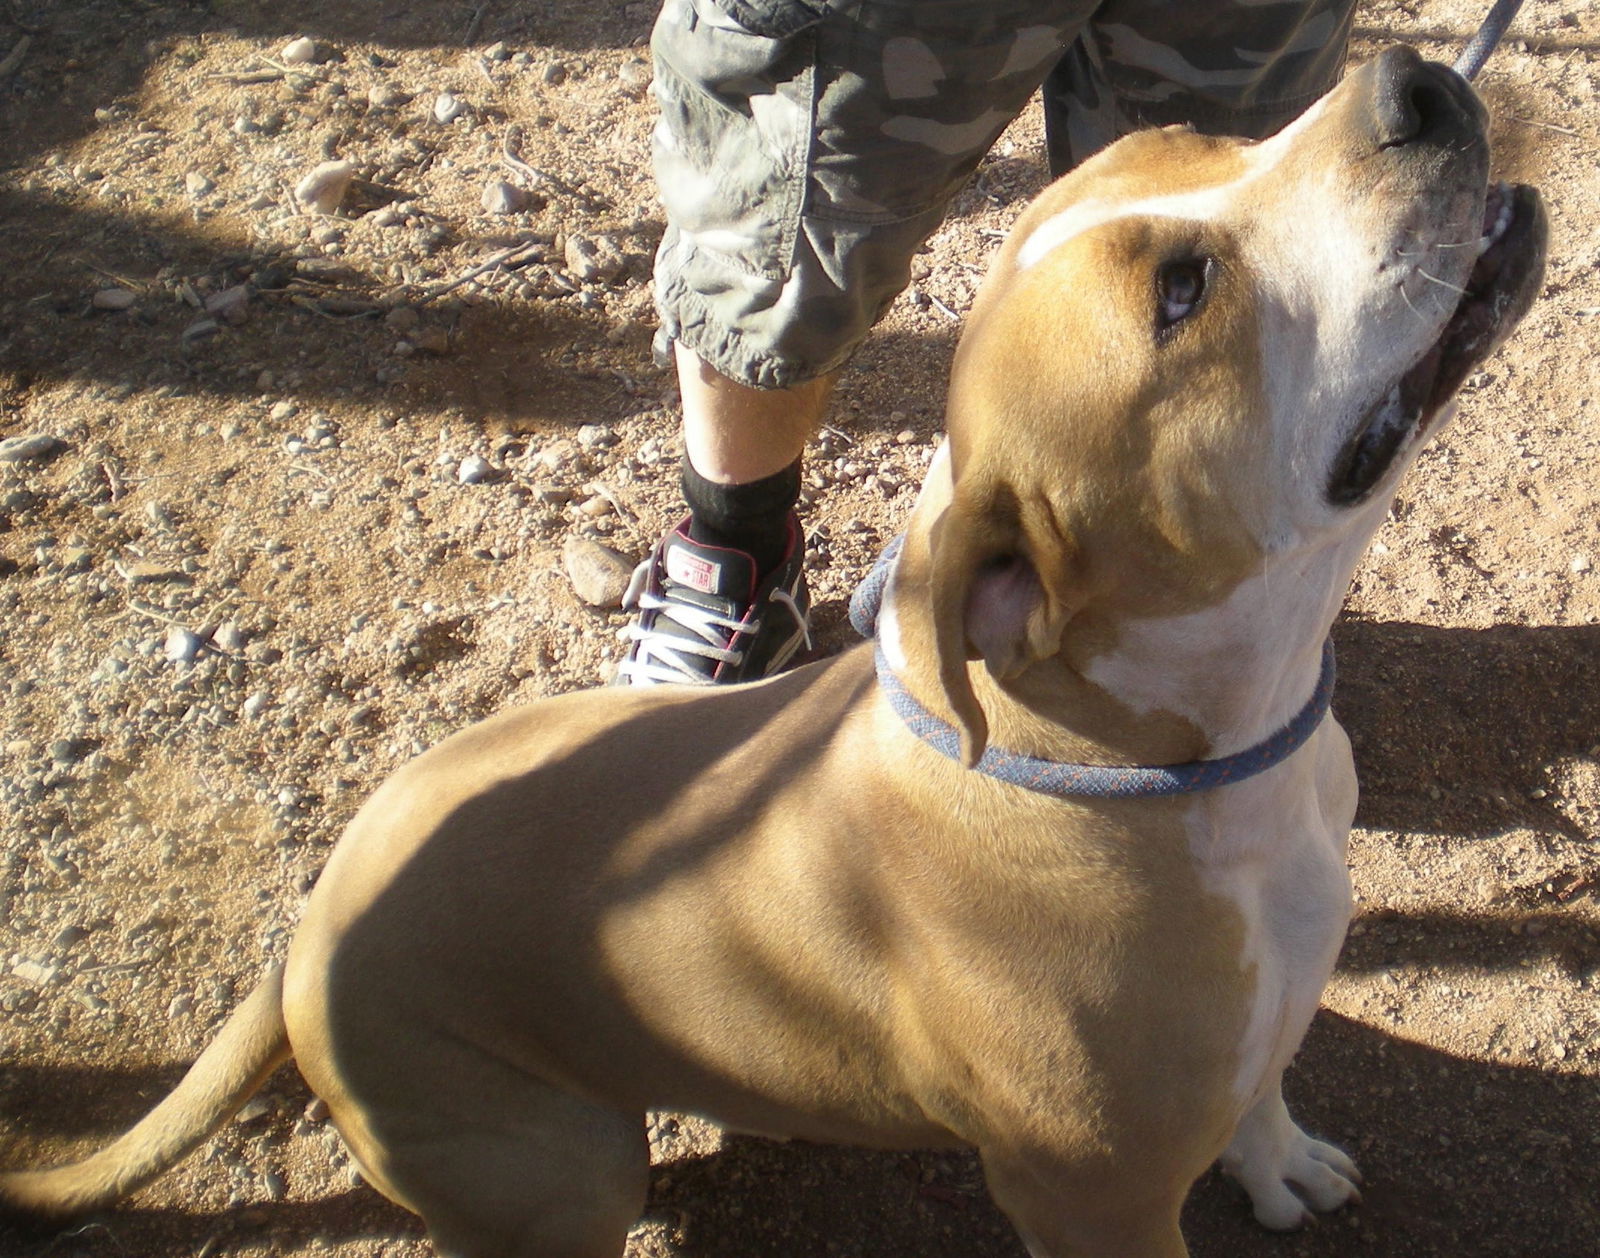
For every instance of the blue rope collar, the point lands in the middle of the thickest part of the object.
(1054, 777)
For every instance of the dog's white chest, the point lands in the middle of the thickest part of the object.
(1274, 849)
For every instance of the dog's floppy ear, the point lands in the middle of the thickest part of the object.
(1001, 591)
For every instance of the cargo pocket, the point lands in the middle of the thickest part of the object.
(736, 85)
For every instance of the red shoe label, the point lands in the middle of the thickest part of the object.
(692, 570)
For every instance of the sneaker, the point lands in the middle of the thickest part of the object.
(704, 618)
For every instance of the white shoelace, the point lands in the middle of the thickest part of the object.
(668, 657)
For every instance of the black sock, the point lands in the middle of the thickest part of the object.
(752, 517)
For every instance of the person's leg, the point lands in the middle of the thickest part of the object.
(733, 433)
(1224, 67)
(742, 448)
(804, 153)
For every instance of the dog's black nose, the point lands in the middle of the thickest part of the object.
(1417, 101)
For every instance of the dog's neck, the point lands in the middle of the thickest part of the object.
(1151, 690)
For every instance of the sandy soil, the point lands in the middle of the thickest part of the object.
(304, 512)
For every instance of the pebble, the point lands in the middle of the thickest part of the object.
(474, 469)
(591, 436)
(431, 340)
(182, 645)
(1580, 564)
(230, 304)
(282, 410)
(36, 973)
(256, 1108)
(196, 184)
(256, 704)
(448, 107)
(634, 76)
(300, 52)
(199, 330)
(500, 197)
(28, 447)
(594, 259)
(113, 299)
(386, 96)
(599, 575)
(322, 190)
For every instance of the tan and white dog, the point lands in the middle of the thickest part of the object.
(1179, 412)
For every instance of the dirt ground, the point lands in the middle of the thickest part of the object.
(299, 509)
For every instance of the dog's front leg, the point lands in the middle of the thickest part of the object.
(1065, 1216)
(1284, 1170)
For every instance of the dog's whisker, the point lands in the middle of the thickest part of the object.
(1406, 297)
(1454, 288)
(1443, 244)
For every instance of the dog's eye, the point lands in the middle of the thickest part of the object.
(1180, 288)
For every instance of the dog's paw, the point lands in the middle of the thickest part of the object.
(1287, 1173)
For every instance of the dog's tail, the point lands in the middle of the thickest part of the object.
(251, 1045)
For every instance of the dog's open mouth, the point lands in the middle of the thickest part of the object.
(1499, 291)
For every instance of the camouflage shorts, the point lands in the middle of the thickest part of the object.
(807, 148)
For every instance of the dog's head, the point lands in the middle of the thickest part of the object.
(1196, 356)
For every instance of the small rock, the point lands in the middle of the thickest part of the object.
(229, 305)
(474, 469)
(256, 1108)
(256, 704)
(557, 455)
(500, 197)
(301, 52)
(196, 184)
(113, 299)
(386, 96)
(199, 330)
(282, 410)
(594, 259)
(448, 107)
(70, 935)
(180, 1005)
(596, 507)
(598, 574)
(317, 1110)
(323, 189)
(497, 51)
(1580, 564)
(182, 645)
(634, 76)
(431, 340)
(36, 973)
(32, 446)
(228, 636)
(555, 73)
(150, 572)
(402, 319)
(591, 436)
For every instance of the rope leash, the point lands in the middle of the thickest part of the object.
(1484, 42)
